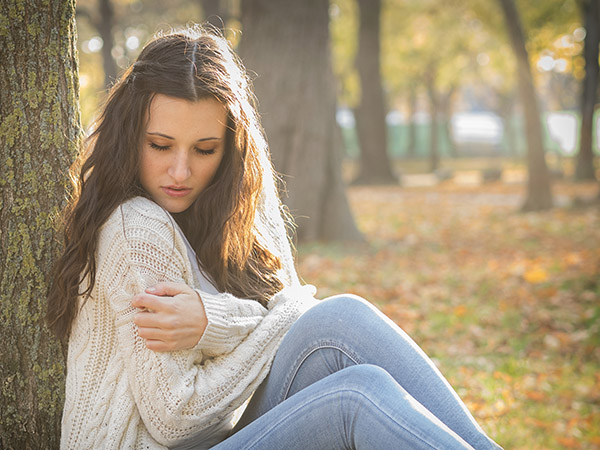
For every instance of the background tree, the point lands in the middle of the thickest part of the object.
(375, 165)
(109, 41)
(539, 195)
(590, 10)
(287, 44)
(103, 20)
(215, 12)
(39, 134)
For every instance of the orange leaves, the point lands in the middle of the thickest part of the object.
(536, 396)
(536, 275)
(507, 303)
(460, 310)
(568, 442)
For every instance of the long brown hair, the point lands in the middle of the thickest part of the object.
(192, 64)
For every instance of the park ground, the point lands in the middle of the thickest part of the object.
(506, 303)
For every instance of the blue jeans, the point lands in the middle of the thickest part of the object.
(346, 377)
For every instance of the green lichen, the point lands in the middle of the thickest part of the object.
(38, 131)
(10, 130)
(4, 25)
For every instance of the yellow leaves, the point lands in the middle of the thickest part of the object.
(460, 310)
(536, 275)
(507, 303)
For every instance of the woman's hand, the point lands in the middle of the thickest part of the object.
(171, 317)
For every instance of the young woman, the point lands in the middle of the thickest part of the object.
(179, 298)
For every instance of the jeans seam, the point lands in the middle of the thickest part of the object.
(308, 403)
(320, 346)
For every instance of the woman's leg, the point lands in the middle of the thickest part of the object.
(344, 331)
(359, 407)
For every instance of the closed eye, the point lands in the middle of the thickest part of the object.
(159, 147)
(202, 151)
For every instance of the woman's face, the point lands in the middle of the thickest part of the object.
(181, 150)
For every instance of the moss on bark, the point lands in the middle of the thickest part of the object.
(39, 134)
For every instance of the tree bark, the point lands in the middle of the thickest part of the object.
(39, 136)
(585, 159)
(287, 44)
(539, 193)
(375, 165)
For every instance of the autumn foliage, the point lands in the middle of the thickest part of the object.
(507, 304)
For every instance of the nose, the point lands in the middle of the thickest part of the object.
(179, 169)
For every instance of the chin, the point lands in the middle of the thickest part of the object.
(174, 208)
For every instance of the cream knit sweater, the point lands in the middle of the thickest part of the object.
(119, 394)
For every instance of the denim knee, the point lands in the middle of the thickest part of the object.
(338, 307)
(364, 378)
(364, 384)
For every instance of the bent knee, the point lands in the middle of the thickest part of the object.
(366, 382)
(344, 305)
(341, 310)
(361, 375)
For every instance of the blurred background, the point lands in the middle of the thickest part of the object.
(447, 70)
(452, 147)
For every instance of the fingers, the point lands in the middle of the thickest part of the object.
(148, 301)
(147, 319)
(168, 289)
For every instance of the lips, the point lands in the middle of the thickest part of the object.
(176, 191)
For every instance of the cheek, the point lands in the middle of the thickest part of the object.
(210, 170)
(148, 168)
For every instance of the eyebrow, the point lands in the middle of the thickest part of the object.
(166, 136)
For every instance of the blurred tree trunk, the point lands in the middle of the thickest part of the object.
(287, 44)
(375, 165)
(105, 28)
(411, 146)
(591, 18)
(103, 21)
(215, 13)
(539, 193)
(39, 135)
(434, 107)
(505, 111)
(446, 110)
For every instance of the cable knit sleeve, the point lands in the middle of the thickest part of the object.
(231, 319)
(179, 393)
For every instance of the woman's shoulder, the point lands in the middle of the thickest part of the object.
(136, 209)
(139, 215)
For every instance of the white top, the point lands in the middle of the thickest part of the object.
(119, 394)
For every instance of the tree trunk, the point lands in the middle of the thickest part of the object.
(539, 193)
(445, 106)
(39, 135)
(375, 164)
(434, 151)
(215, 13)
(411, 146)
(585, 159)
(505, 111)
(105, 28)
(287, 44)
